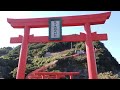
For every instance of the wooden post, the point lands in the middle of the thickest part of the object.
(92, 69)
(23, 55)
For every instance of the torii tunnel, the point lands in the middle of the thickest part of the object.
(79, 20)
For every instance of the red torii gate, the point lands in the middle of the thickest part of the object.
(51, 75)
(88, 37)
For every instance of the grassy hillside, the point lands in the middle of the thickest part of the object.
(107, 65)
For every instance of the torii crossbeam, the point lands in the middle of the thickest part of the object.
(88, 37)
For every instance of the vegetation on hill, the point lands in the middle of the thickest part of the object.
(107, 65)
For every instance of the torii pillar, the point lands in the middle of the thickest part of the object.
(91, 61)
(89, 37)
(23, 54)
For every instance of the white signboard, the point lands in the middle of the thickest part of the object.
(55, 29)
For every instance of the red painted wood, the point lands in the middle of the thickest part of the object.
(70, 76)
(78, 20)
(46, 77)
(57, 73)
(51, 75)
(66, 38)
(91, 61)
(23, 55)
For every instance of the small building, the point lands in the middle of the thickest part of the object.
(48, 54)
(79, 52)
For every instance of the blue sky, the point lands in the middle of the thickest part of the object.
(111, 27)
